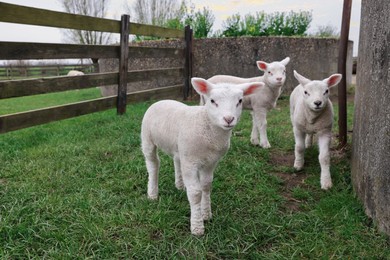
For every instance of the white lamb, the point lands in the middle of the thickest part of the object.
(312, 113)
(264, 99)
(75, 73)
(196, 137)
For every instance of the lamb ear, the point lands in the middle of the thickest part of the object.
(262, 65)
(301, 79)
(333, 80)
(250, 88)
(285, 61)
(201, 86)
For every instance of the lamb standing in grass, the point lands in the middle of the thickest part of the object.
(196, 137)
(264, 100)
(312, 113)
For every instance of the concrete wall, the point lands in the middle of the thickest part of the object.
(315, 58)
(371, 132)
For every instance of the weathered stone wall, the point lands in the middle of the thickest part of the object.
(371, 132)
(315, 58)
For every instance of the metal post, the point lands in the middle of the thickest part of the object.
(342, 69)
(123, 64)
(188, 62)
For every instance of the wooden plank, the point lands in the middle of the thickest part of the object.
(33, 16)
(171, 92)
(27, 87)
(142, 75)
(12, 122)
(156, 31)
(123, 65)
(30, 50)
(21, 120)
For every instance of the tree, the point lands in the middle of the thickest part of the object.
(262, 24)
(154, 12)
(201, 22)
(95, 8)
(172, 14)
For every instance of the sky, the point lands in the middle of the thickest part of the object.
(324, 13)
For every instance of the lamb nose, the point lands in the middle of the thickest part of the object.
(279, 79)
(228, 119)
(317, 103)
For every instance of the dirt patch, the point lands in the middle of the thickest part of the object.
(3, 181)
(282, 159)
(290, 181)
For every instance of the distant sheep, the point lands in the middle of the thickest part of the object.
(197, 137)
(264, 100)
(312, 113)
(75, 73)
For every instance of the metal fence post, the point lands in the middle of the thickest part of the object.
(123, 64)
(188, 62)
(342, 69)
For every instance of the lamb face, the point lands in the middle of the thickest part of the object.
(275, 72)
(316, 92)
(316, 95)
(224, 101)
(224, 110)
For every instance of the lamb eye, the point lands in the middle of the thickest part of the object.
(239, 102)
(326, 92)
(307, 93)
(213, 102)
(270, 73)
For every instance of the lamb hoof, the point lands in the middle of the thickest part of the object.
(255, 142)
(180, 186)
(298, 166)
(197, 231)
(152, 197)
(325, 185)
(265, 145)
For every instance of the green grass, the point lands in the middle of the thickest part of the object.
(14, 105)
(76, 189)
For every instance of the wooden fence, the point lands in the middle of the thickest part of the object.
(16, 50)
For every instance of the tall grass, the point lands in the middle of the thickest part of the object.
(77, 189)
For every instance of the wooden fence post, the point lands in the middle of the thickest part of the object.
(123, 64)
(188, 62)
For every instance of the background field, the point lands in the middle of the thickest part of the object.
(77, 189)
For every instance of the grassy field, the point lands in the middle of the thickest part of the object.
(76, 189)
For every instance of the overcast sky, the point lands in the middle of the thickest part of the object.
(324, 13)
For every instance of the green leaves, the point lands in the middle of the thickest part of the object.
(263, 24)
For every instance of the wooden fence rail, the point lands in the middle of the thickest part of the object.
(23, 51)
